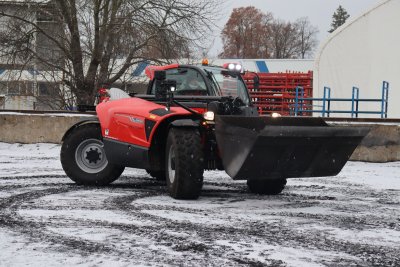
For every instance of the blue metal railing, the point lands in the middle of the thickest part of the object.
(300, 106)
(385, 99)
(355, 98)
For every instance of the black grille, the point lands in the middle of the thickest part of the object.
(149, 125)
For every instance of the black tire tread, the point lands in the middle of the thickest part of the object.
(67, 156)
(189, 156)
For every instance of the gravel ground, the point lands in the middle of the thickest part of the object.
(349, 220)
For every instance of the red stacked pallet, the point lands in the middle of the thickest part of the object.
(276, 92)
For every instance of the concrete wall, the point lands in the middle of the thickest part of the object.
(28, 128)
(382, 144)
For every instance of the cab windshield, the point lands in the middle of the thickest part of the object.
(228, 84)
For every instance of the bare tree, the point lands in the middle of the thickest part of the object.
(250, 33)
(306, 36)
(95, 42)
(284, 39)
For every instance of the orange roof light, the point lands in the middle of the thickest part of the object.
(204, 62)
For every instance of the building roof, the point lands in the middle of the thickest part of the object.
(24, 2)
(270, 65)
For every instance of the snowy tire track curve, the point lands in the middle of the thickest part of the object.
(348, 220)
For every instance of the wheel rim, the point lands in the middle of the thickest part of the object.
(171, 164)
(90, 156)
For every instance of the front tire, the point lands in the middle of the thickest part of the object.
(184, 163)
(83, 157)
(266, 187)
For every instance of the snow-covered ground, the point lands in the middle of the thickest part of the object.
(45, 220)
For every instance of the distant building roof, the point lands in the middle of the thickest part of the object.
(271, 65)
(24, 2)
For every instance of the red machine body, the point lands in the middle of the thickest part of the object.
(151, 69)
(125, 120)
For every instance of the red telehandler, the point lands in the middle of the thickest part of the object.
(199, 117)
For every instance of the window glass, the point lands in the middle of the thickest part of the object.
(188, 82)
(228, 85)
(26, 88)
(48, 89)
(43, 89)
(13, 88)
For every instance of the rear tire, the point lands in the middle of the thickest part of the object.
(184, 163)
(83, 157)
(266, 187)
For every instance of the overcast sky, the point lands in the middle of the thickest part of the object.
(318, 11)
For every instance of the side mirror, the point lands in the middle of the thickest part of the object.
(160, 75)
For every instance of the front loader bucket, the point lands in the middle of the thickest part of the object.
(285, 147)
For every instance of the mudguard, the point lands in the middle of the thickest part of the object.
(76, 125)
(274, 148)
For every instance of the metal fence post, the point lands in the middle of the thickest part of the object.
(329, 102)
(354, 101)
(324, 103)
(385, 96)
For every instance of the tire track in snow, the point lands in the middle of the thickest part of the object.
(197, 240)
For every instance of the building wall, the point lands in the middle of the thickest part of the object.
(363, 53)
(25, 85)
(7, 28)
(19, 103)
(2, 101)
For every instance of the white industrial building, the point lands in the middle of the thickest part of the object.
(363, 52)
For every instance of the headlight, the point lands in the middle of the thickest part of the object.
(276, 115)
(209, 116)
(233, 67)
